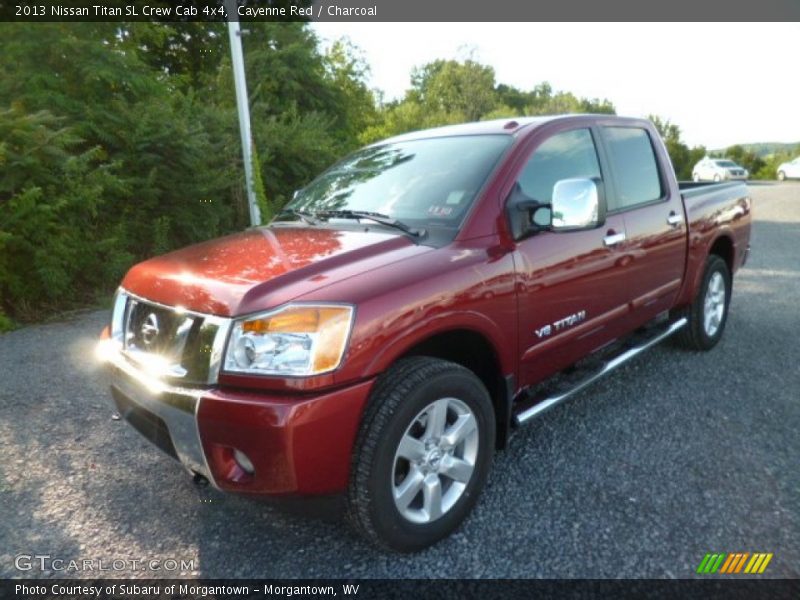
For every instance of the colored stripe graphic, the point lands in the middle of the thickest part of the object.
(703, 563)
(710, 563)
(727, 564)
(765, 563)
(734, 563)
(757, 558)
(740, 564)
(758, 563)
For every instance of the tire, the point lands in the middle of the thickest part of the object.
(717, 178)
(705, 328)
(781, 176)
(403, 406)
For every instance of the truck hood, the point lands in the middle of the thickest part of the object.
(264, 267)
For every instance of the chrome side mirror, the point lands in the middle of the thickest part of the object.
(575, 205)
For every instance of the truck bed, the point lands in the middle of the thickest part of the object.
(713, 209)
(691, 189)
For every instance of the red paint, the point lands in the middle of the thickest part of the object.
(246, 271)
(297, 444)
(299, 432)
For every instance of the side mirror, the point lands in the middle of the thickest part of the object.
(524, 214)
(576, 205)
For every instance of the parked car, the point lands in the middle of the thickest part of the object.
(407, 311)
(789, 170)
(718, 169)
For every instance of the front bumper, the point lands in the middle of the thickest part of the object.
(296, 444)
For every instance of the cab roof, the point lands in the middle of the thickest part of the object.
(507, 126)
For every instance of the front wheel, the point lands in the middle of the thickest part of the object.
(708, 313)
(422, 454)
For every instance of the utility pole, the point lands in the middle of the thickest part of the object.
(243, 107)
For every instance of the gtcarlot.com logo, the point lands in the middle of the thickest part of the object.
(735, 563)
(46, 562)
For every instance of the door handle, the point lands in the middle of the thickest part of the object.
(674, 219)
(612, 239)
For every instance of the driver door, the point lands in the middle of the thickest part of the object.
(572, 294)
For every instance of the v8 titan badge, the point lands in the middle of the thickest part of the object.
(564, 323)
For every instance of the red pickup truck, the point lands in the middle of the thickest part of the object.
(416, 303)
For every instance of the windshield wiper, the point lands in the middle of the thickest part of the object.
(372, 216)
(304, 215)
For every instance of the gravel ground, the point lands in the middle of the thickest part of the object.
(675, 455)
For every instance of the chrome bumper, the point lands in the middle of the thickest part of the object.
(138, 397)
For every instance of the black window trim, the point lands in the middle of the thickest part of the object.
(611, 188)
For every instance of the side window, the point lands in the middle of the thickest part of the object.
(633, 162)
(567, 155)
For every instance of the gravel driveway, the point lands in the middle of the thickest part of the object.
(675, 455)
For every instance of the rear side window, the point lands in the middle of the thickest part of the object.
(564, 156)
(634, 165)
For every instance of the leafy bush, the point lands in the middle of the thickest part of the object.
(52, 251)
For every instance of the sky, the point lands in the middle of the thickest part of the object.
(721, 83)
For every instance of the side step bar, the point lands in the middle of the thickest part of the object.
(538, 405)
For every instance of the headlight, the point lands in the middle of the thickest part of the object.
(295, 340)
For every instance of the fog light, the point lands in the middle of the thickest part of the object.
(244, 463)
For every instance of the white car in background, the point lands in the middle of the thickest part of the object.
(718, 169)
(789, 170)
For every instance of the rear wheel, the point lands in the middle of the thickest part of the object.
(422, 455)
(708, 313)
(781, 176)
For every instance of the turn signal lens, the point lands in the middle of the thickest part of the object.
(293, 320)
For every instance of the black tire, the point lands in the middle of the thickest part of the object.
(695, 336)
(396, 401)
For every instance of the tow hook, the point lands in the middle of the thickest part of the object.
(200, 480)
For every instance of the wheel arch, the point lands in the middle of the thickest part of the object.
(474, 349)
(724, 247)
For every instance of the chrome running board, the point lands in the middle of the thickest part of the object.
(536, 405)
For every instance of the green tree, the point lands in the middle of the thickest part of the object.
(683, 158)
(749, 160)
(444, 92)
(347, 73)
(464, 90)
(307, 108)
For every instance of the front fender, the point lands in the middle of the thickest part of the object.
(443, 323)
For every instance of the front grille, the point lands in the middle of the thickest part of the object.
(156, 329)
(171, 343)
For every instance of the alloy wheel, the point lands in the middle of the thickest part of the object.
(435, 460)
(714, 304)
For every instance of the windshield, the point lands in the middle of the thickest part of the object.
(726, 163)
(424, 183)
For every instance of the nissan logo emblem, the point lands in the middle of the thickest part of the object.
(149, 330)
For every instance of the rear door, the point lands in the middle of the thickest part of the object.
(655, 224)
